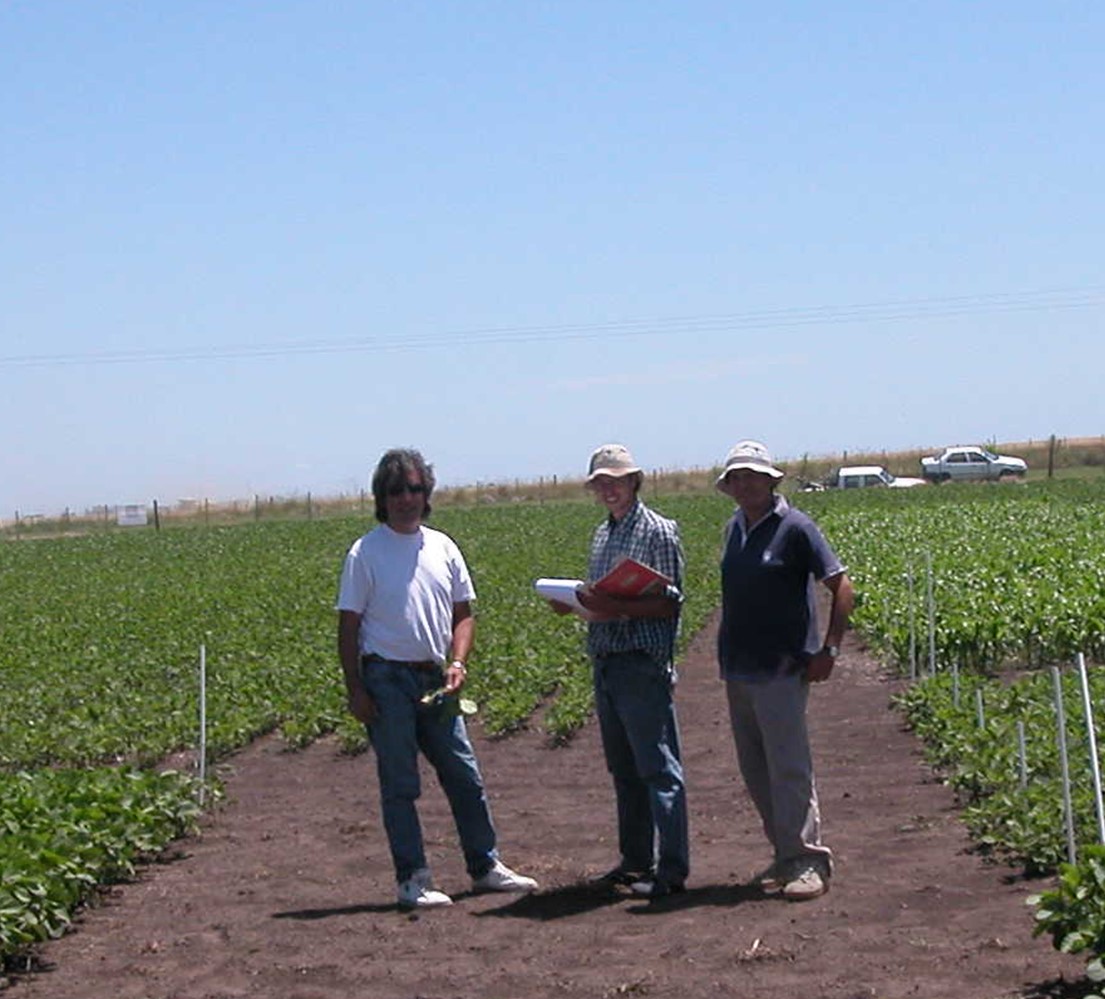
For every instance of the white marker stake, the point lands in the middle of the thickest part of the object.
(932, 616)
(203, 722)
(1022, 754)
(1064, 767)
(912, 627)
(1087, 704)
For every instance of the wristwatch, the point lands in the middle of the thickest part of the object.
(832, 651)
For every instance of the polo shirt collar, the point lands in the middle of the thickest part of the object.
(778, 508)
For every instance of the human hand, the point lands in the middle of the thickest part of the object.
(601, 606)
(559, 607)
(820, 667)
(361, 705)
(455, 676)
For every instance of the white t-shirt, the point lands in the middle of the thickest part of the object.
(404, 587)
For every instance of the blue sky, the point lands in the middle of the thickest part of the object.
(247, 247)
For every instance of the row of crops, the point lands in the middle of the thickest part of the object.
(98, 670)
(1011, 577)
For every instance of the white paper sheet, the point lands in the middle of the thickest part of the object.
(563, 591)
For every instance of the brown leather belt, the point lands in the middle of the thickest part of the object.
(422, 664)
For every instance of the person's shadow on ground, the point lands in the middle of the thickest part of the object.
(573, 899)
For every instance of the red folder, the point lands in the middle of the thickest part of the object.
(630, 578)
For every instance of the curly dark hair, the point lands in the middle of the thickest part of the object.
(392, 470)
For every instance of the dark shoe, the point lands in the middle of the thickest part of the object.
(656, 888)
(619, 875)
(771, 879)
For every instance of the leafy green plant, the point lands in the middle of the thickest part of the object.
(1073, 912)
(99, 674)
(64, 832)
(1018, 576)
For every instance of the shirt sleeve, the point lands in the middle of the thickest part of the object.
(668, 559)
(824, 562)
(464, 590)
(354, 586)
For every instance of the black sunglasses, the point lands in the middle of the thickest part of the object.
(405, 487)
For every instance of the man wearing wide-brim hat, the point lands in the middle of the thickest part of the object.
(631, 641)
(770, 649)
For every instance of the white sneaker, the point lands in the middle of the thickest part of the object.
(502, 878)
(805, 883)
(418, 892)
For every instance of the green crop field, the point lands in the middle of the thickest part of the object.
(1018, 580)
(1018, 571)
(99, 667)
(99, 671)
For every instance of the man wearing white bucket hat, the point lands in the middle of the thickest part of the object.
(770, 650)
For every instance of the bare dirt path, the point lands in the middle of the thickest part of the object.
(288, 893)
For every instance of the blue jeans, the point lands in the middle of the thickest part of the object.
(401, 728)
(640, 739)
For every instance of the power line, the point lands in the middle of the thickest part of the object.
(824, 315)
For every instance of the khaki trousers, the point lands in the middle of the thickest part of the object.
(773, 750)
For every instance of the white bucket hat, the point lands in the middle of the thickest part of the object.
(751, 455)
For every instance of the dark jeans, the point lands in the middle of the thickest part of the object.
(640, 739)
(401, 728)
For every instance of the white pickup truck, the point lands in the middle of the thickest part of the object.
(861, 476)
(971, 464)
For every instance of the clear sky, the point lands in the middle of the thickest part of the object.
(245, 247)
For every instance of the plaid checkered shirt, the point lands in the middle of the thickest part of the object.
(653, 540)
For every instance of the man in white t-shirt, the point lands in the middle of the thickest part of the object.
(405, 630)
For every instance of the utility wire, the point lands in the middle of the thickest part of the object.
(874, 312)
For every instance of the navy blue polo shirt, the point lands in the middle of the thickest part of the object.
(768, 614)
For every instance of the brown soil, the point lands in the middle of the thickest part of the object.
(288, 892)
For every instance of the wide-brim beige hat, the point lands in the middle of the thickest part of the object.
(751, 455)
(611, 459)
